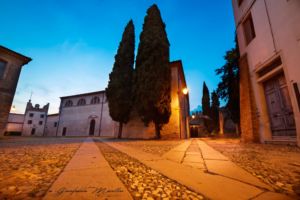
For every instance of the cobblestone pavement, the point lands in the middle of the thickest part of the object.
(143, 182)
(276, 165)
(30, 165)
(158, 147)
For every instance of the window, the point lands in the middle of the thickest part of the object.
(95, 100)
(42, 115)
(55, 124)
(249, 31)
(2, 69)
(69, 103)
(29, 122)
(81, 102)
(40, 122)
(31, 114)
(240, 2)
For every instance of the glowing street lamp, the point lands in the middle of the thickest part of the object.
(185, 91)
(13, 108)
(193, 116)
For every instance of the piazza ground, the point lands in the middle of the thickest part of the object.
(102, 168)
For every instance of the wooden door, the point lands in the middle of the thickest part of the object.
(279, 107)
(92, 127)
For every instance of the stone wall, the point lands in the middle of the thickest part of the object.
(8, 82)
(51, 125)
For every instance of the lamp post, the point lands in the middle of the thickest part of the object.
(185, 91)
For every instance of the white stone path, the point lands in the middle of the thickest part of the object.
(88, 176)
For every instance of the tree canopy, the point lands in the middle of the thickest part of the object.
(153, 73)
(119, 89)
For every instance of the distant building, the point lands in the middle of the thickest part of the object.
(10, 68)
(88, 115)
(14, 124)
(268, 34)
(35, 119)
(85, 115)
(197, 125)
(52, 125)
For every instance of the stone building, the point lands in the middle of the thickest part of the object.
(35, 119)
(10, 67)
(88, 115)
(85, 115)
(14, 124)
(268, 34)
(52, 125)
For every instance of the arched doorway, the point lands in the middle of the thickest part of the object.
(33, 131)
(92, 127)
(64, 131)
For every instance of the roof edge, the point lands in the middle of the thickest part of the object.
(83, 94)
(25, 59)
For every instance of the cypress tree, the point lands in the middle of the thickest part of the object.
(205, 100)
(206, 110)
(119, 89)
(153, 73)
(215, 104)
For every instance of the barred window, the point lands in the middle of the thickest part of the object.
(95, 100)
(69, 103)
(81, 102)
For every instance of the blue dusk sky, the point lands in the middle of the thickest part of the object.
(73, 42)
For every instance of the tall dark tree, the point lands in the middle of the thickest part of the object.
(228, 88)
(153, 73)
(205, 100)
(206, 109)
(215, 105)
(119, 89)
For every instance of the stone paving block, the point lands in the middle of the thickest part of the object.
(209, 153)
(193, 158)
(231, 170)
(174, 156)
(272, 196)
(196, 165)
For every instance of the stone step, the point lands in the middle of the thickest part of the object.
(283, 141)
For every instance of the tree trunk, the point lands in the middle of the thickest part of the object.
(120, 130)
(157, 131)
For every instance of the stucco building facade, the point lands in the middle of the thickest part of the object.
(85, 115)
(268, 34)
(35, 119)
(10, 68)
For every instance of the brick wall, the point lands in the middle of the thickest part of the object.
(249, 121)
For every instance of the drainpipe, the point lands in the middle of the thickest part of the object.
(59, 113)
(270, 25)
(100, 123)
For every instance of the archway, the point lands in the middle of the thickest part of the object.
(92, 127)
